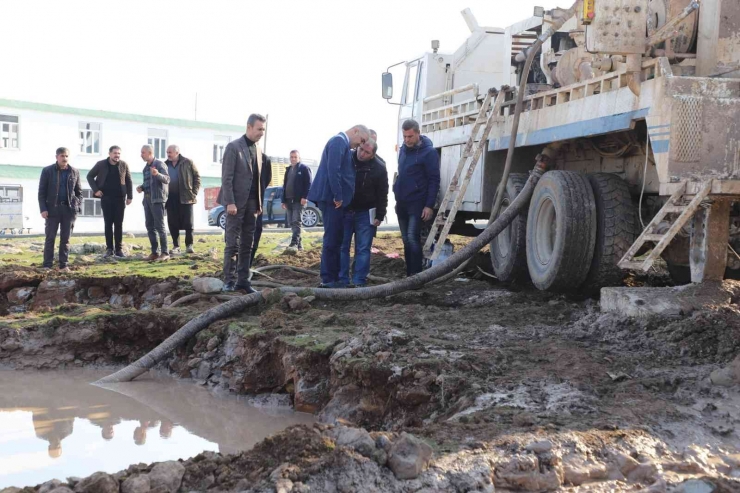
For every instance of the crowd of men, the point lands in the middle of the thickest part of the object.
(171, 186)
(350, 189)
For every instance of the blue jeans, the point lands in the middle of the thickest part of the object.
(409, 221)
(356, 223)
(333, 236)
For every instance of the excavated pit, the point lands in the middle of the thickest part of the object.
(512, 388)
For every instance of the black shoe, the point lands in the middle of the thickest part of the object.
(300, 247)
(245, 287)
(108, 253)
(228, 287)
(120, 254)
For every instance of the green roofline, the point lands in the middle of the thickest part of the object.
(112, 115)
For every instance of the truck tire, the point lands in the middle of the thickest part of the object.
(509, 249)
(561, 231)
(615, 230)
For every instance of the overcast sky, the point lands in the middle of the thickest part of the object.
(313, 66)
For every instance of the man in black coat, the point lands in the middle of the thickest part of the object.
(364, 214)
(296, 184)
(110, 181)
(60, 199)
(241, 194)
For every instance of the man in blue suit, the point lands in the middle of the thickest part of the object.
(332, 191)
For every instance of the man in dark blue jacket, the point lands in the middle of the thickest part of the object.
(296, 184)
(332, 191)
(60, 198)
(416, 191)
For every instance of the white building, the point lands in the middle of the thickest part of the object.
(30, 133)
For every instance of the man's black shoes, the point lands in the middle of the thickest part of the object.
(245, 287)
(228, 287)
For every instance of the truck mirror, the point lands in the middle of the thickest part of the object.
(387, 85)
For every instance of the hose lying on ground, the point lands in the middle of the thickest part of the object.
(242, 302)
(439, 270)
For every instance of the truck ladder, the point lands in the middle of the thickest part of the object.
(444, 220)
(672, 205)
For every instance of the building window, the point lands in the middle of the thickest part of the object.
(89, 138)
(8, 132)
(158, 140)
(90, 205)
(219, 144)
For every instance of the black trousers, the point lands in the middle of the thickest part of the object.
(60, 218)
(239, 241)
(179, 217)
(113, 210)
(257, 236)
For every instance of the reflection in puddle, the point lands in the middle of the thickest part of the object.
(57, 425)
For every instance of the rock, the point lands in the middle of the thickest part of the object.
(409, 456)
(99, 482)
(87, 248)
(53, 293)
(18, 296)
(17, 279)
(168, 474)
(136, 484)
(194, 362)
(540, 447)
(207, 285)
(137, 247)
(290, 251)
(61, 489)
(674, 301)
(122, 300)
(49, 486)
(204, 370)
(11, 345)
(297, 304)
(96, 292)
(158, 291)
(213, 343)
(724, 377)
(202, 240)
(695, 486)
(523, 472)
(354, 438)
(10, 489)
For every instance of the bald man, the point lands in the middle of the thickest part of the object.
(183, 193)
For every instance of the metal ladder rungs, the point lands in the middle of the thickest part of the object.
(652, 237)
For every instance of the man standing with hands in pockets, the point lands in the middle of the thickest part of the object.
(241, 193)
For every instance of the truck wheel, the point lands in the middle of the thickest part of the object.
(509, 248)
(615, 230)
(561, 231)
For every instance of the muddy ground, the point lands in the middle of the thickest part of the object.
(511, 388)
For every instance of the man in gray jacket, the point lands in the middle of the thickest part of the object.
(155, 191)
(241, 194)
(183, 193)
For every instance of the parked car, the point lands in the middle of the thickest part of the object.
(273, 211)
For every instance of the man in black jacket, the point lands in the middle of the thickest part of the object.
(60, 197)
(110, 180)
(296, 184)
(265, 179)
(364, 214)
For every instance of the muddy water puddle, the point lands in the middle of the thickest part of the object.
(58, 425)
